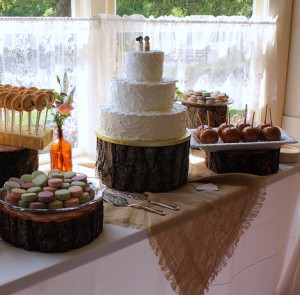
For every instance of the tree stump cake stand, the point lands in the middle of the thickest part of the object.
(217, 114)
(140, 166)
(51, 232)
(16, 161)
(258, 162)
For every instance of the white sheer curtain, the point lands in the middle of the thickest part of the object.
(34, 50)
(231, 54)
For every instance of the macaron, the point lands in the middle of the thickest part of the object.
(27, 185)
(69, 175)
(56, 204)
(55, 182)
(22, 203)
(84, 198)
(17, 193)
(76, 191)
(56, 175)
(41, 180)
(16, 179)
(49, 188)
(80, 177)
(28, 197)
(79, 183)
(37, 205)
(62, 194)
(46, 196)
(11, 200)
(66, 185)
(206, 93)
(89, 190)
(53, 171)
(34, 189)
(9, 185)
(72, 202)
(37, 173)
(26, 177)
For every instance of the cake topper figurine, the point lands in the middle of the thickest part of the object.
(147, 43)
(140, 40)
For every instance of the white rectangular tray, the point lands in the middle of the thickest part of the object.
(260, 145)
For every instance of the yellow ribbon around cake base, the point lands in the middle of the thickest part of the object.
(144, 143)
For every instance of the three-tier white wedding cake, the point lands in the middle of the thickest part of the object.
(141, 106)
(142, 140)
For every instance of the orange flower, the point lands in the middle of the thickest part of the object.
(65, 109)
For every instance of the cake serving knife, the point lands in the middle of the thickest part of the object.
(122, 202)
(134, 197)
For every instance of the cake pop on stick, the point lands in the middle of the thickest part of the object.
(8, 106)
(40, 104)
(17, 106)
(2, 98)
(28, 105)
(147, 43)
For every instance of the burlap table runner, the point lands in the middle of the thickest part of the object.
(193, 244)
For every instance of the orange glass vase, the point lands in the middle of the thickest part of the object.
(61, 153)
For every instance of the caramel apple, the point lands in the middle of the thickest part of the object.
(209, 135)
(224, 125)
(242, 125)
(200, 128)
(230, 134)
(271, 133)
(250, 133)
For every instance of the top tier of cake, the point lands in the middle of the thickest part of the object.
(144, 65)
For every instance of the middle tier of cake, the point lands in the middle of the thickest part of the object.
(142, 96)
(156, 125)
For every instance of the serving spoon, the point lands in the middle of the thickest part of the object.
(122, 202)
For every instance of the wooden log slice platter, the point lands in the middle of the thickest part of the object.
(217, 114)
(16, 161)
(53, 232)
(137, 168)
(258, 162)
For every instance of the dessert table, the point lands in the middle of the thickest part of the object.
(121, 260)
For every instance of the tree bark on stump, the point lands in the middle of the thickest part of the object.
(140, 169)
(56, 232)
(258, 162)
(16, 161)
(217, 115)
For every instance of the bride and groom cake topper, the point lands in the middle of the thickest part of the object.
(141, 45)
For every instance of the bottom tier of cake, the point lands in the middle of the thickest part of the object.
(137, 168)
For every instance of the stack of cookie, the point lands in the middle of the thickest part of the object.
(53, 190)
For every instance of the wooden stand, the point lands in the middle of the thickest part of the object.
(217, 115)
(258, 162)
(16, 161)
(58, 232)
(142, 168)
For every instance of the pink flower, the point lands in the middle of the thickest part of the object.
(65, 109)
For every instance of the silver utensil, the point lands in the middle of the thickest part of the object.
(121, 202)
(134, 197)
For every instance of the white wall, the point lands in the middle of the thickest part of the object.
(291, 112)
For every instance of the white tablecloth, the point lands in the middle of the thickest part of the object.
(264, 263)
